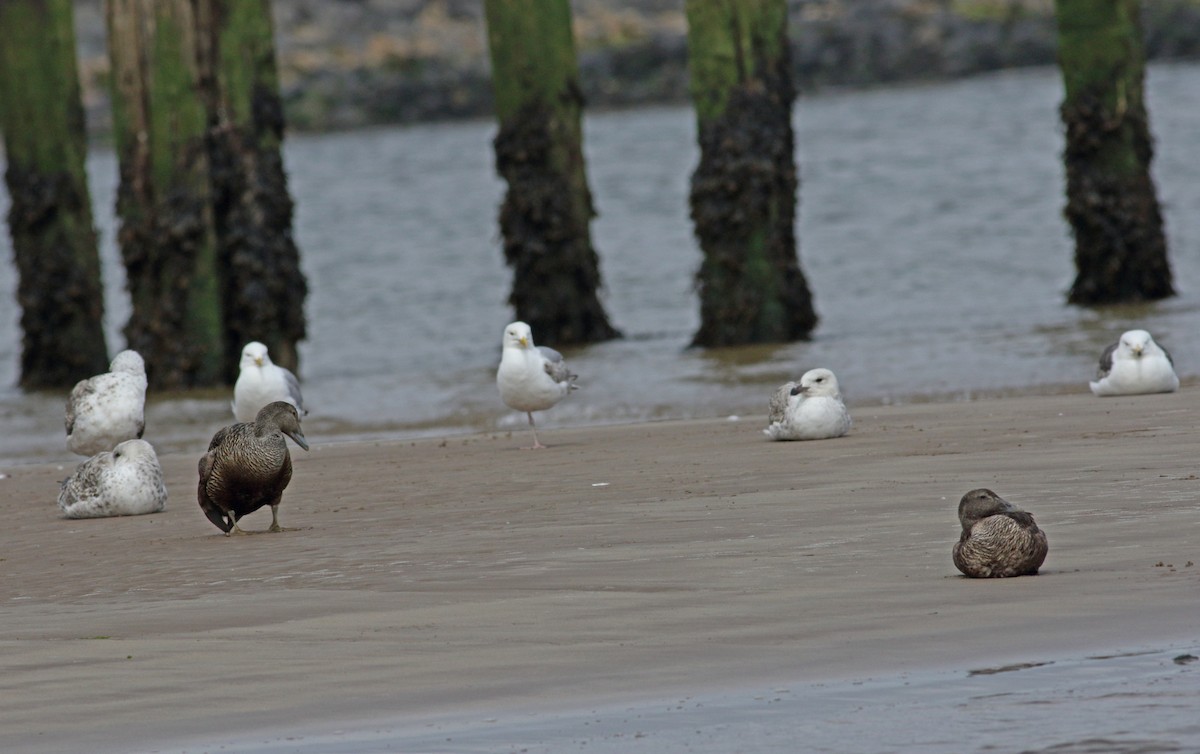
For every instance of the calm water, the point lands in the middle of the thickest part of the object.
(1139, 701)
(930, 229)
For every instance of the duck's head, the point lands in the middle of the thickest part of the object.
(281, 415)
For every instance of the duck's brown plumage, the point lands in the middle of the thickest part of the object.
(998, 539)
(248, 466)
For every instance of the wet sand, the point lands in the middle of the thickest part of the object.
(468, 577)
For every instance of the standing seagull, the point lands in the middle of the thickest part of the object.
(108, 408)
(811, 409)
(1133, 365)
(248, 466)
(531, 378)
(998, 538)
(126, 481)
(260, 382)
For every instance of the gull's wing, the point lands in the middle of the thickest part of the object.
(83, 391)
(1106, 360)
(293, 388)
(777, 405)
(1167, 354)
(555, 366)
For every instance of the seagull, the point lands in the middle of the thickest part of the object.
(1133, 365)
(124, 481)
(998, 538)
(248, 466)
(811, 409)
(531, 378)
(108, 408)
(260, 382)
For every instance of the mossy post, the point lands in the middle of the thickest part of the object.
(262, 286)
(164, 202)
(50, 215)
(1120, 247)
(546, 215)
(743, 193)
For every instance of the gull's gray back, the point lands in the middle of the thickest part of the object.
(556, 367)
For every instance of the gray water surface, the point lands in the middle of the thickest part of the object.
(930, 230)
(1140, 701)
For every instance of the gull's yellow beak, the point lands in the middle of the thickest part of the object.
(524, 342)
(258, 361)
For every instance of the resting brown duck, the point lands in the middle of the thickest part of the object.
(998, 538)
(248, 466)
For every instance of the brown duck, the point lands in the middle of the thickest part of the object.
(248, 466)
(998, 538)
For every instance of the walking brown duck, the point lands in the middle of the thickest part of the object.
(248, 466)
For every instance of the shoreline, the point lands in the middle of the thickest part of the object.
(834, 715)
(206, 411)
(433, 577)
(344, 66)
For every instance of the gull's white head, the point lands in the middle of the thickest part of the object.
(254, 355)
(128, 361)
(818, 382)
(1137, 343)
(518, 335)
(132, 450)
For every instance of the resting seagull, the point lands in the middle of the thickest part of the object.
(126, 481)
(998, 539)
(811, 409)
(531, 378)
(1134, 365)
(261, 382)
(108, 408)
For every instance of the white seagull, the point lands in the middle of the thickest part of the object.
(531, 378)
(811, 409)
(260, 382)
(126, 481)
(108, 408)
(1133, 365)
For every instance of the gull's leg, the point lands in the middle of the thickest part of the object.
(536, 445)
(275, 518)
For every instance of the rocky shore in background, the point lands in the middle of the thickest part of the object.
(353, 63)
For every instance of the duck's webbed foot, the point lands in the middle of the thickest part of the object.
(234, 529)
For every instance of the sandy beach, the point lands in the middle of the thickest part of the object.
(467, 576)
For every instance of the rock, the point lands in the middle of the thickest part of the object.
(348, 64)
